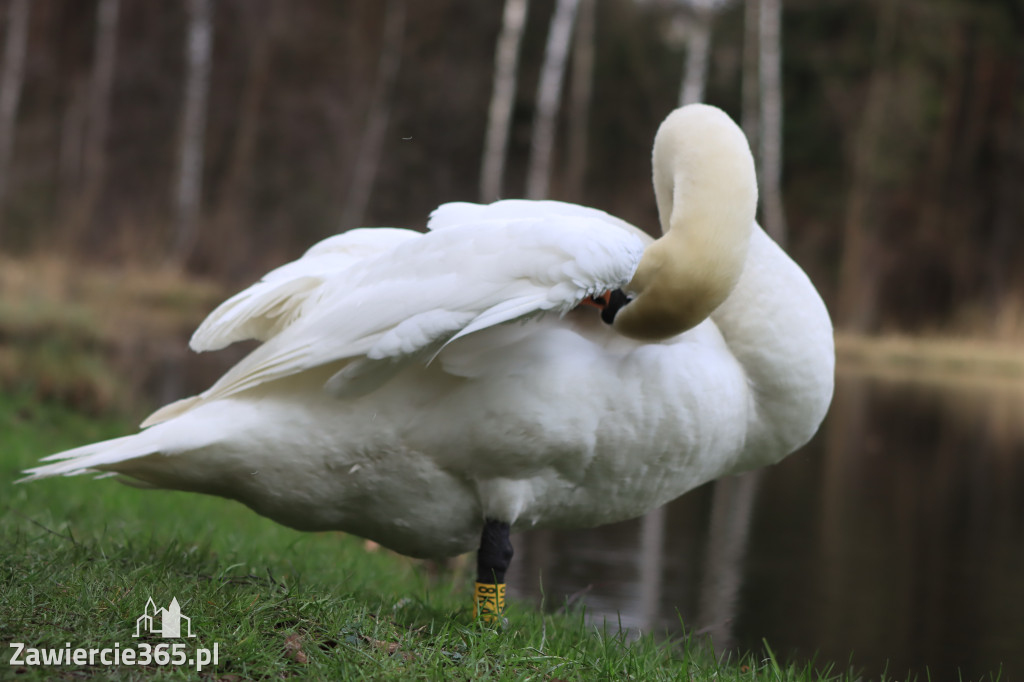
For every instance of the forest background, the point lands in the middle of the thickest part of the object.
(155, 157)
(216, 139)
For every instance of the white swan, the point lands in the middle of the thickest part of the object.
(415, 389)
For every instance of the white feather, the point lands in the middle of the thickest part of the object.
(273, 303)
(427, 291)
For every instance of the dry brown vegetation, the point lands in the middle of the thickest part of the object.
(93, 336)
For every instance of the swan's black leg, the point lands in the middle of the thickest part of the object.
(492, 561)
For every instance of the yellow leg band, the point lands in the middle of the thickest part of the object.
(489, 601)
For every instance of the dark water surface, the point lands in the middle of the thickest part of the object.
(894, 540)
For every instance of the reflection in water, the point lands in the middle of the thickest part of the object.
(652, 558)
(731, 507)
(896, 537)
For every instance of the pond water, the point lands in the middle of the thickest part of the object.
(893, 541)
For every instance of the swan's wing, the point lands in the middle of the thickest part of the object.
(273, 303)
(428, 291)
(459, 213)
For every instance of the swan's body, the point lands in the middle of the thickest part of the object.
(411, 386)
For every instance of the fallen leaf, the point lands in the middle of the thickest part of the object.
(293, 649)
(389, 647)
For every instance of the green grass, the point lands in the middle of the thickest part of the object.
(81, 557)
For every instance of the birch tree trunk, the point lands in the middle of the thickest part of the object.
(377, 115)
(261, 21)
(72, 145)
(549, 96)
(770, 47)
(858, 275)
(102, 85)
(188, 193)
(97, 120)
(499, 115)
(698, 50)
(13, 72)
(750, 113)
(579, 97)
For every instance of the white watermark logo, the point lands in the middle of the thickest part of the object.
(168, 623)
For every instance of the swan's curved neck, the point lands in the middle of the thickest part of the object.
(706, 189)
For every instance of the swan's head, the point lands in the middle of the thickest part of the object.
(706, 189)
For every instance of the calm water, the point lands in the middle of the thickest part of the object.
(894, 539)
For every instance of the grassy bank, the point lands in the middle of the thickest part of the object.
(82, 557)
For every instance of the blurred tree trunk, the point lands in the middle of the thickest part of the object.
(750, 82)
(102, 85)
(377, 115)
(580, 95)
(188, 195)
(549, 97)
(770, 61)
(499, 116)
(858, 270)
(92, 157)
(698, 50)
(260, 21)
(13, 72)
(1008, 204)
(72, 136)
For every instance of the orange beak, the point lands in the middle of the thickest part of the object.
(599, 302)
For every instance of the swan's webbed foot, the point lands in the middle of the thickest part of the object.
(492, 560)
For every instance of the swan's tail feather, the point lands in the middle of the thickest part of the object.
(101, 458)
